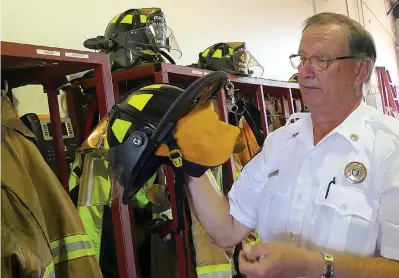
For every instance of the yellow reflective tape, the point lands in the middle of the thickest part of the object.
(120, 128)
(127, 19)
(115, 19)
(68, 239)
(71, 247)
(231, 50)
(206, 52)
(49, 271)
(217, 53)
(213, 268)
(74, 255)
(143, 18)
(139, 101)
(153, 86)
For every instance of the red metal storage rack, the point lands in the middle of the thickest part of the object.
(181, 75)
(390, 100)
(23, 64)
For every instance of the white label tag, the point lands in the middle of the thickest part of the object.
(48, 52)
(196, 72)
(77, 55)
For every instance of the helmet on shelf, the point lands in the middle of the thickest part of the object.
(293, 78)
(137, 36)
(231, 57)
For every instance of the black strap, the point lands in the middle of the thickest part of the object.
(78, 171)
(257, 133)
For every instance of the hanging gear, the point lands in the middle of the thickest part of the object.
(137, 36)
(231, 57)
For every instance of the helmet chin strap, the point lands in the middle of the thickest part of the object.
(167, 56)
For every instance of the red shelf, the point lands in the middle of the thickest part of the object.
(24, 64)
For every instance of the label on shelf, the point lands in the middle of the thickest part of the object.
(76, 55)
(48, 52)
(197, 72)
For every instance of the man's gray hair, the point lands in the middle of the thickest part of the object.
(360, 41)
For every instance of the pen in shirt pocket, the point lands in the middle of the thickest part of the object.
(328, 187)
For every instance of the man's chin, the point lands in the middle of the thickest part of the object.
(312, 100)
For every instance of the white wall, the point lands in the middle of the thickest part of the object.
(271, 28)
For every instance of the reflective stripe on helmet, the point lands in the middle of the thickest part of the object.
(139, 101)
(127, 19)
(206, 52)
(217, 54)
(120, 128)
(143, 18)
(153, 86)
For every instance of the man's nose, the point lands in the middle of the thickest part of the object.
(306, 70)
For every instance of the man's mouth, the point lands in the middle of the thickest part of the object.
(310, 87)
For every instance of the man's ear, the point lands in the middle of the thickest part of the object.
(363, 67)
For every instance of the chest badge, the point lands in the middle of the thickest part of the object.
(355, 172)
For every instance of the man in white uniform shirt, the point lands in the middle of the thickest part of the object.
(324, 191)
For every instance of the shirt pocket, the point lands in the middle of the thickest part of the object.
(272, 209)
(350, 218)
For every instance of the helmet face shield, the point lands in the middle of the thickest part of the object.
(245, 63)
(97, 139)
(95, 183)
(149, 40)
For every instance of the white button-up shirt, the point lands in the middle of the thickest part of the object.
(282, 190)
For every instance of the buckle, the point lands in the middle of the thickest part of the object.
(176, 157)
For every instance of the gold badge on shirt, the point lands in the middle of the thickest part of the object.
(355, 172)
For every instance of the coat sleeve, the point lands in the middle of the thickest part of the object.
(23, 254)
(52, 223)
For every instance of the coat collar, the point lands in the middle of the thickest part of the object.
(10, 119)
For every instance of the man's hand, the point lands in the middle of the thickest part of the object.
(275, 259)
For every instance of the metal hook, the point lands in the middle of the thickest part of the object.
(230, 91)
(234, 109)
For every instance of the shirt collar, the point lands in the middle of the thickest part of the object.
(303, 131)
(10, 119)
(352, 127)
